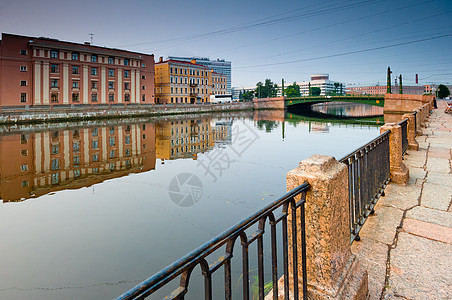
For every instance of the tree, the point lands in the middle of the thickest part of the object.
(293, 90)
(248, 96)
(443, 91)
(267, 90)
(315, 91)
(240, 95)
(336, 85)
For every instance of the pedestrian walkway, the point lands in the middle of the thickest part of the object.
(406, 245)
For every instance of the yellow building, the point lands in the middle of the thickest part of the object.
(181, 82)
(219, 83)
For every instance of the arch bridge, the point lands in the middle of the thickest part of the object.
(376, 100)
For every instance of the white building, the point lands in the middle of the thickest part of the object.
(323, 82)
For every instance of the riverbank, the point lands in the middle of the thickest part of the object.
(407, 244)
(64, 113)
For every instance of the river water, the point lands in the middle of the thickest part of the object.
(89, 210)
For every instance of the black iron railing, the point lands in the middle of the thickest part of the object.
(183, 268)
(404, 125)
(368, 172)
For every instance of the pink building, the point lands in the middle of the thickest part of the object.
(43, 71)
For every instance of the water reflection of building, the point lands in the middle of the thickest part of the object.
(38, 163)
(187, 138)
(345, 109)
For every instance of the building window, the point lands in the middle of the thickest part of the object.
(112, 141)
(94, 132)
(23, 83)
(75, 84)
(94, 97)
(76, 160)
(95, 170)
(54, 97)
(126, 62)
(55, 164)
(53, 53)
(75, 97)
(94, 85)
(172, 90)
(24, 152)
(143, 97)
(111, 97)
(143, 76)
(95, 144)
(76, 173)
(95, 157)
(75, 56)
(25, 183)
(93, 58)
(54, 83)
(54, 68)
(23, 97)
(171, 70)
(23, 68)
(127, 152)
(94, 71)
(55, 149)
(111, 73)
(111, 60)
(143, 87)
(126, 74)
(112, 153)
(126, 97)
(127, 139)
(143, 65)
(127, 85)
(76, 147)
(111, 85)
(75, 70)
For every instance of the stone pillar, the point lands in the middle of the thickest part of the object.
(411, 132)
(418, 122)
(399, 172)
(333, 272)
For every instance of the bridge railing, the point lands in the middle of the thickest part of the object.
(404, 125)
(275, 213)
(368, 171)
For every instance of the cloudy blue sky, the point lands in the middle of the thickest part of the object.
(352, 40)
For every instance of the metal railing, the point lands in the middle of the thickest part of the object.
(183, 267)
(368, 172)
(404, 125)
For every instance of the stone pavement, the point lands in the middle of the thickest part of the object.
(406, 245)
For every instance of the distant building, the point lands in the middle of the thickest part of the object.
(220, 66)
(324, 83)
(381, 90)
(179, 81)
(43, 71)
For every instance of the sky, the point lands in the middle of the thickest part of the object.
(354, 41)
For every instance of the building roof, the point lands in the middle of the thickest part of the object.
(180, 62)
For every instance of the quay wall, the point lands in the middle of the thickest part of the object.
(269, 103)
(40, 114)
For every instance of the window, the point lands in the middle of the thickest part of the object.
(55, 178)
(24, 167)
(126, 97)
(126, 74)
(23, 83)
(95, 170)
(127, 153)
(111, 72)
(75, 84)
(93, 58)
(143, 76)
(171, 70)
(94, 132)
(75, 70)
(54, 97)
(23, 68)
(54, 68)
(171, 79)
(143, 87)
(95, 144)
(76, 160)
(25, 183)
(76, 147)
(112, 141)
(126, 62)
(172, 90)
(143, 65)
(112, 153)
(94, 71)
(23, 97)
(111, 60)
(112, 130)
(111, 85)
(76, 173)
(112, 166)
(54, 83)
(143, 97)
(53, 53)
(55, 149)
(94, 97)
(55, 164)
(75, 56)
(95, 158)
(75, 97)
(127, 85)
(111, 97)
(94, 84)
(24, 152)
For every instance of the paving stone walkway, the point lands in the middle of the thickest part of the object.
(407, 244)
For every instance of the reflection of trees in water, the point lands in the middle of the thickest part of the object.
(346, 109)
(267, 125)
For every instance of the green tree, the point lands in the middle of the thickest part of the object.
(443, 91)
(293, 90)
(315, 91)
(240, 95)
(267, 90)
(248, 96)
(336, 85)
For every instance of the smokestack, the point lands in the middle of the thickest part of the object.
(161, 59)
(417, 79)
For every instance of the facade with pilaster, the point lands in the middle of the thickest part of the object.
(44, 71)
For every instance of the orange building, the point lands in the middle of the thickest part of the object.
(43, 71)
(35, 164)
(183, 82)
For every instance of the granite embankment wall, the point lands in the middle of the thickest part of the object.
(21, 115)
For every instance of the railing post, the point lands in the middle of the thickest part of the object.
(411, 128)
(333, 272)
(418, 122)
(399, 173)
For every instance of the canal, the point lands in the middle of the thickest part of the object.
(88, 210)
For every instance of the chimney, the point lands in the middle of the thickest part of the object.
(161, 59)
(193, 61)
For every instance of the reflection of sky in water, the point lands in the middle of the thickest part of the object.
(127, 228)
